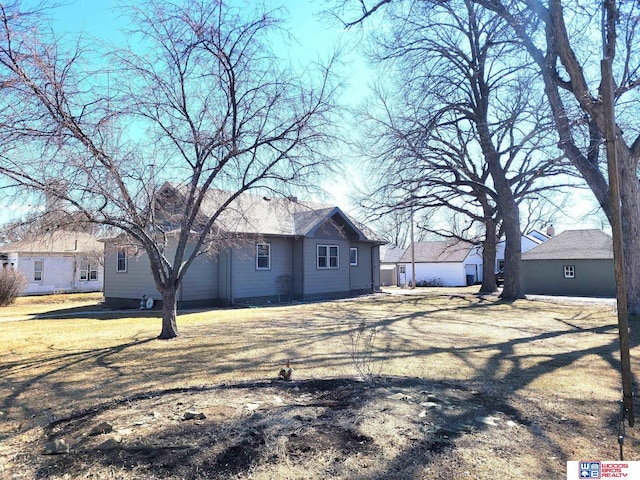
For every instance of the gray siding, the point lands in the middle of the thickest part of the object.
(249, 282)
(360, 274)
(201, 280)
(593, 278)
(225, 258)
(298, 267)
(320, 282)
(134, 283)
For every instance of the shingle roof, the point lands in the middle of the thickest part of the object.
(573, 245)
(440, 251)
(257, 214)
(60, 241)
(391, 254)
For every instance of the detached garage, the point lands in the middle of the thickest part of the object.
(573, 263)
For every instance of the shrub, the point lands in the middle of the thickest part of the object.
(12, 284)
(362, 349)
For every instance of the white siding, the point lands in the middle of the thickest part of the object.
(60, 273)
(444, 274)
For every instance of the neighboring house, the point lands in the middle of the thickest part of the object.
(527, 242)
(390, 256)
(454, 263)
(58, 261)
(282, 249)
(447, 263)
(573, 263)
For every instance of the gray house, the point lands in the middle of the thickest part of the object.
(573, 263)
(281, 248)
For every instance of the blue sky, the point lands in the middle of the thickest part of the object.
(315, 38)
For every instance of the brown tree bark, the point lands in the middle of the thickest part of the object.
(169, 314)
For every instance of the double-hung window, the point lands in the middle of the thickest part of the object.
(263, 256)
(327, 256)
(88, 271)
(38, 269)
(122, 260)
(353, 257)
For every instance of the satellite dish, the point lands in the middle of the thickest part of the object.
(149, 303)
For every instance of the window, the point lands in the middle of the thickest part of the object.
(88, 271)
(353, 256)
(122, 260)
(569, 271)
(263, 256)
(327, 256)
(38, 267)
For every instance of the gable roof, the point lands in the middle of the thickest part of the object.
(260, 215)
(59, 241)
(391, 254)
(573, 245)
(439, 251)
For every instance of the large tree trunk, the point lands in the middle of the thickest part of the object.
(512, 252)
(169, 309)
(630, 204)
(489, 258)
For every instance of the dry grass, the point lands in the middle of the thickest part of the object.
(545, 374)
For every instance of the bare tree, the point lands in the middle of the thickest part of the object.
(199, 99)
(465, 132)
(572, 83)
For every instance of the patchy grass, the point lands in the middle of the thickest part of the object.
(470, 386)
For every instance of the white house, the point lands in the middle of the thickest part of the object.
(443, 263)
(453, 263)
(55, 262)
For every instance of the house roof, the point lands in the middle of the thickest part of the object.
(439, 251)
(390, 254)
(573, 245)
(59, 241)
(257, 214)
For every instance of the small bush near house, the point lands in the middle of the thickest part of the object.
(12, 284)
(433, 282)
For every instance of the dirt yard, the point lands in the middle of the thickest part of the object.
(452, 386)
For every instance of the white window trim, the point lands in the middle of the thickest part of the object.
(41, 262)
(268, 245)
(86, 269)
(353, 249)
(328, 257)
(569, 271)
(126, 259)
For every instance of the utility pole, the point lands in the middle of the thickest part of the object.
(413, 255)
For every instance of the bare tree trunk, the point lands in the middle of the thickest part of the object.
(489, 258)
(512, 252)
(630, 204)
(169, 309)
